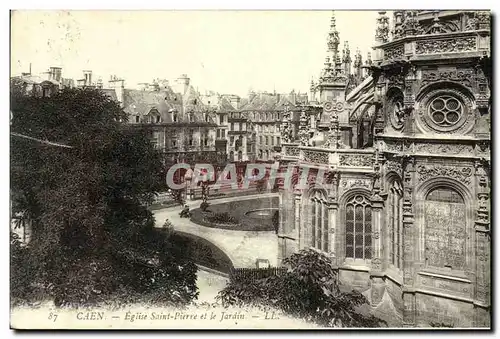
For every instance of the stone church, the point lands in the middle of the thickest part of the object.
(397, 187)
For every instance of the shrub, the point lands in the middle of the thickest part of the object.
(221, 218)
(168, 227)
(177, 196)
(308, 290)
(204, 206)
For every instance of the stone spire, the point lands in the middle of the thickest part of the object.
(358, 62)
(368, 63)
(346, 59)
(333, 41)
(382, 33)
(399, 17)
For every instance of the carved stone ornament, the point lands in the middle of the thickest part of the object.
(394, 166)
(292, 151)
(393, 146)
(356, 160)
(316, 157)
(483, 147)
(396, 52)
(450, 45)
(376, 263)
(461, 174)
(462, 76)
(352, 183)
(451, 149)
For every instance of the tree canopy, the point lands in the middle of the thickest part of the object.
(92, 234)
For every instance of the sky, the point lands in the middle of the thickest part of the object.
(228, 52)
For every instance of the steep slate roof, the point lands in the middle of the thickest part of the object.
(34, 79)
(140, 102)
(225, 105)
(268, 102)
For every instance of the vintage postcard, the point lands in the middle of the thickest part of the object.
(250, 169)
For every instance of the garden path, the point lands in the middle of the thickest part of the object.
(242, 247)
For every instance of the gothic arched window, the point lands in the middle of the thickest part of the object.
(445, 229)
(358, 228)
(319, 220)
(394, 223)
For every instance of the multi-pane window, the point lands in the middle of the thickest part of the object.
(223, 133)
(319, 220)
(358, 228)
(445, 229)
(394, 224)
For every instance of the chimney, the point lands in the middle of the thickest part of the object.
(251, 95)
(293, 97)
(87, 75)
(55, 73)
(119, 86)
(235, 101)
(183, 80)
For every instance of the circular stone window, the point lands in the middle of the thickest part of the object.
(445, 111)
(396, 112)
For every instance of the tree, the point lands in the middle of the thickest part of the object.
(309, 289)
(92, 234)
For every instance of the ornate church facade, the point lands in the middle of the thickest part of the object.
(392, 177)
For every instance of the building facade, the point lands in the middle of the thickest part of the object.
(393, 181)
(179, 122)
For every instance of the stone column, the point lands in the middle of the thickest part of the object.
(333, 207)
(482, 248)
(376, 275)
(409, 243)
(298, 222)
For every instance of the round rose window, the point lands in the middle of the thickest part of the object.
(445, 111)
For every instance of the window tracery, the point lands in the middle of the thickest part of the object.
(358, 228)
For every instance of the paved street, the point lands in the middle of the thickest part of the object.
(242, 247)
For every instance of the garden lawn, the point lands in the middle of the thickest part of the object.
(237, 209)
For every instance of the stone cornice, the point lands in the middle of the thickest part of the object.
(411, 38)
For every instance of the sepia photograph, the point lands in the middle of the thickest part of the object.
(250, 169)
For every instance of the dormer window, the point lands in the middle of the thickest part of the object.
(158, 119)
(137, 119)
(45, 92)
(175, 117)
